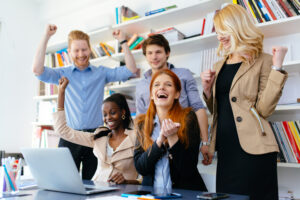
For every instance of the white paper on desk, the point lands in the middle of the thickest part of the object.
(114, 197)
(291, 90)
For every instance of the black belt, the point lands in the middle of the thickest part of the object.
(88, 130)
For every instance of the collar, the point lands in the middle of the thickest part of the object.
(74, 67)
(148, 73)
(156, 120)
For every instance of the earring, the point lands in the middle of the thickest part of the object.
(123, 117)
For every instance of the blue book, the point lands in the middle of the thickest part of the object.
(152, 12)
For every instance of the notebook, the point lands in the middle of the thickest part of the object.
(54, 169)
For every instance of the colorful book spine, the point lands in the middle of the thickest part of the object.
(269, 9)
(136, 43)
(152, 12)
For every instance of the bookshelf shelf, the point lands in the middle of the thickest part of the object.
(290, 165)
(160, 20)
(280, 27)
(45, 98)
(42, 124)
(291, 107)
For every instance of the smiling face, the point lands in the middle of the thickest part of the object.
(80, 52)
(156, 57)
(163, 91)
(224, 40)
(112, 115)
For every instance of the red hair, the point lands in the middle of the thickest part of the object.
(176, 114)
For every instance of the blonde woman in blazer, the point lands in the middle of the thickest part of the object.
(241, 91)
(113, 147)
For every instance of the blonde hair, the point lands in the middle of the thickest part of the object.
(78, 35)
(246, 39)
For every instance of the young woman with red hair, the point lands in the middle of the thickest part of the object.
(168, 142)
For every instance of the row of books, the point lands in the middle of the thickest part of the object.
(288, 138)
(44, 137)
(124, 13)
(47, 89)
(58, 59)
(102, 49)
(270, 10)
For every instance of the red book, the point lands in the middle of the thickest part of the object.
(203, 25)
(285, 8)
(269, 9)
(292, 140)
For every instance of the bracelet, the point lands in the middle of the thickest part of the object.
(60, 109)
(123, 41)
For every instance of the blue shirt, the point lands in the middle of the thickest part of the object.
(162, 177)
(85, 91)
(189, 96)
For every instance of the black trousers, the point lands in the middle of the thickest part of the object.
(84, 155)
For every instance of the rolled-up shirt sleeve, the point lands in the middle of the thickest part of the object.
(193, 93)
(50, 75)
(118, 74)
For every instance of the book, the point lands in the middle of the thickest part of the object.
(136, 43)
(293, 7)
(171, 34)
(132, 39)
(292, 141)
(290, 154)
(104, 49)
(262, 12)
(152, 12)
(285, 8)
(127, 14)
(269, 9)
(280, 142)
(255, 11)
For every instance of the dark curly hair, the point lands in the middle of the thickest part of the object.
(120, 101)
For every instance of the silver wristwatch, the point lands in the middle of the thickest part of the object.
(205, 143)
(277, 68)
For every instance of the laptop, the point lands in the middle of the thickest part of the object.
(54, 169)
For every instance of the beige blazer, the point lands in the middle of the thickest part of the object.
(120, 161)
(254, 93)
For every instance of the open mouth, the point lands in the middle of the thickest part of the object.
(162, 96)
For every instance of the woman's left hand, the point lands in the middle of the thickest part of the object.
(278, 55)
(169, 127)
(117, 178)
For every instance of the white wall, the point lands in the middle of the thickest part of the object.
(17, 84)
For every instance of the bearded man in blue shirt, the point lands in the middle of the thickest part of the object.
(85, 92)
